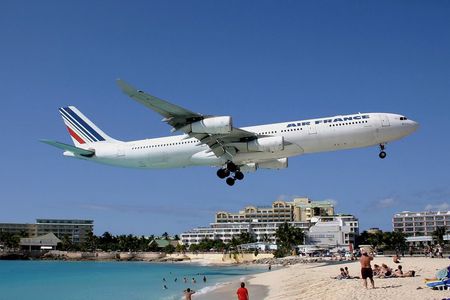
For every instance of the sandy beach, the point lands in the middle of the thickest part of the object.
(313, 281)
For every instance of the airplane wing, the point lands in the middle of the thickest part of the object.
(70, 148)
(179, 118)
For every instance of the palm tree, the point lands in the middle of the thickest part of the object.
(246, 237)
(66, 243)
(180, 248)
(288, 237)
(395, 240)
(90, 243)
(438, 235)
(265, 238)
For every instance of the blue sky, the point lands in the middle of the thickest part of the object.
(258, 61)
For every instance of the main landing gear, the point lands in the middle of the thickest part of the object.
(382, 153)
(226, 172)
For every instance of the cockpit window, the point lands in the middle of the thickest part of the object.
(403, 118)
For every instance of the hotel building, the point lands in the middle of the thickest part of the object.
(262, 223)
(420, 223)
(298, 210)
(262, 231)
(75, 230)
(333, 231)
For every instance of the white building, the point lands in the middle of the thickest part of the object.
(333, 231)
(263, 222)
(262, 231)
(420, 223)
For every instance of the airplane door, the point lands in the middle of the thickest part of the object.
(312, 129)
(120, 151)
(384, 121)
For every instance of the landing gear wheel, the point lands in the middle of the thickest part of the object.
(222, 173)
(382, 154)
(239, 175)
(231, 167)
(230, 181)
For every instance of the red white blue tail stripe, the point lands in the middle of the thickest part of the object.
(78, 126)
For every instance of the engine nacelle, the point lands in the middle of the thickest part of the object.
(275, 164)
(266, 144)
(213, 125)
(281, 163)
(248, 168)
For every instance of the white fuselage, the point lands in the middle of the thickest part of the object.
(300, 137)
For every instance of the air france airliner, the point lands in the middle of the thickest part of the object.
(213, 140)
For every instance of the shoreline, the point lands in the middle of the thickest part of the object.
(208, 258)
(227, 290)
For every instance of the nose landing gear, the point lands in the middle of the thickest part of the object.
(227, 170)
(382, 154)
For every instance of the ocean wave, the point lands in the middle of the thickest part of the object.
(211, 288)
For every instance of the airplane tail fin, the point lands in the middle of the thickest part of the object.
(82, 131)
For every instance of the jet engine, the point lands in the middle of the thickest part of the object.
(277, 164)
(266, 144)
(248, 168)
(213, 125)
(274, 164)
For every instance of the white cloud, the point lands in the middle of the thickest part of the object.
(443, 206)
(386, 202)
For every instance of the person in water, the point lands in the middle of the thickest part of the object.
(188, 294)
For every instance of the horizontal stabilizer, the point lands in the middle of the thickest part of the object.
(73, 149)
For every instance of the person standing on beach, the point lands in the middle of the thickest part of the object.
(366, 268)
(242, 292)
(188, 294)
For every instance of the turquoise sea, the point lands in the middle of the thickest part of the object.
(56, 280)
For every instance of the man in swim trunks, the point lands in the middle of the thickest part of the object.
(366, 268)
(188, 294)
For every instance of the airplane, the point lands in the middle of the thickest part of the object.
(209, 140)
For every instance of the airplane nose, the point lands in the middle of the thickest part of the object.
(413, 126)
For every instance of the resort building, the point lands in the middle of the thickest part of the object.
(426, 240)
(416, 224)
(262, 223)
(262, 231)
(75, 230)
(29, 230)
(44, 242)
(163, 243)
(298, 210)
(329, 232)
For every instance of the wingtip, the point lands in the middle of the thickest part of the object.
(125, 87)
(45, 141)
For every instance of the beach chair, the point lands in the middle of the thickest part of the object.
(440, 284)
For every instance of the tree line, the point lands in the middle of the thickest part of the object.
(287, 238)
(395, 240)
